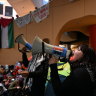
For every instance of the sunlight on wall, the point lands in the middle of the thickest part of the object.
(45, 1)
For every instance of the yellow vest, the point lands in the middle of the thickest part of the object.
(63, 69)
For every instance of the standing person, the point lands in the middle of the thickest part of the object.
(63, 67)
(81, 81)
(37, 75)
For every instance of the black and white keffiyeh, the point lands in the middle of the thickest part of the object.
(33, 64)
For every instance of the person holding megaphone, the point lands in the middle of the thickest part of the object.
(36, 73)
(82, 79)
(37, 69)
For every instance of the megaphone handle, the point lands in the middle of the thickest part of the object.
(19, 47)
(43, 49)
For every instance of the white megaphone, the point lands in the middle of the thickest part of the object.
(21, 39)
(50, 49)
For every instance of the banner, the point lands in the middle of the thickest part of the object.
(41, 13)
(6, 33)
(38, 15)
(21, 21)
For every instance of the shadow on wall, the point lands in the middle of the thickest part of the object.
(79, 37)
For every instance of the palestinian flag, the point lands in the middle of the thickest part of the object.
(6, 33)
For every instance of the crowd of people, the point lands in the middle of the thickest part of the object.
(10, 80)
(47, 75)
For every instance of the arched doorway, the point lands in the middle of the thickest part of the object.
(78, 25)
(73, 38)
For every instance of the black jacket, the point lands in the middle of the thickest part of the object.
(77, 84)
(39, 77)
